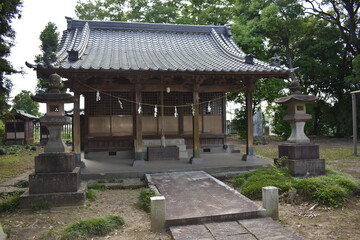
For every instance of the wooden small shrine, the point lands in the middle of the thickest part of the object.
(154, 82)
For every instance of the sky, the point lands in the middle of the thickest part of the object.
(35, 15)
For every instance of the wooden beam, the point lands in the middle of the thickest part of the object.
(354, 118)
(196, 126)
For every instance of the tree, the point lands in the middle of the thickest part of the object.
(23, 101)
(210, 12)
(49, 38)
(345, 15)
(9, 9)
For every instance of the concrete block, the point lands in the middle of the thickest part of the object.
(54, 182)
(306, 167)
(163, 153)
(158, 214)
(64, 199)
(270, 199)
(3, 236)
(54, 162)
(299, 151)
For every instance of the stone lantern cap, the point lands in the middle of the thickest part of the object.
(296, 95)
(54, 94)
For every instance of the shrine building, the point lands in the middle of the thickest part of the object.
(146, 83)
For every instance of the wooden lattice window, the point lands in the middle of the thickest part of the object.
(216, 103)
(171, 99)
(126, 109)
(187, 98)
(108, 104)
(151, 98)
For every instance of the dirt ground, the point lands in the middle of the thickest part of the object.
(49, 224)
(321, 223)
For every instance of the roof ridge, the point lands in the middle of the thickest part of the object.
(72, 23)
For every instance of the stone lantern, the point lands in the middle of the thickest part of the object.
(300, 156)
(56, 179)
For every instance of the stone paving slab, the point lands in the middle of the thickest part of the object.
(249, 229)
(196, 197)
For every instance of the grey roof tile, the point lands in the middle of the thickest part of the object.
(157, 47)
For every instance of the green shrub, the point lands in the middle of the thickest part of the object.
(252, 187)
(331, 189)
(144, 198)
(98, 186)
(2, 151)
(101, 181)
(41, 205)
(91, 195)
(22, 184)
(93, 227)
(33, 148)
(10, 204)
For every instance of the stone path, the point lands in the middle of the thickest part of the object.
(198, 206)
(249, 229)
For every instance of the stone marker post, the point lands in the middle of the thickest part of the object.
(2, 234)
(158, 213)
(270, 199)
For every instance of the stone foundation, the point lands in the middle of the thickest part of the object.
(63, 199)
(302, 159)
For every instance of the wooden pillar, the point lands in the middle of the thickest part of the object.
(353, 95)
(76, 128)
(249, 122)
(196, 130)
(139, 156)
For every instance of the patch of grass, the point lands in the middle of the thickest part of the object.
(22, 184)
(91, 195)
(97, 186)
(331, 189)
(51, 234)
(85, 229)
(338, 153)
(41, 205)
(12, 165)
(115, 180)
(10, 203)
(144, 198)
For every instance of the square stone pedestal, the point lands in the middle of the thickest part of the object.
(56, 180)
(302, 159)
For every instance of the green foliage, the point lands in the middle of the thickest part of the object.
(22, 184)
(85, 229)
(205, 12)
(9, 10)
(23, 101)
(91, 195)
(41, 205)
(49, 38)
(144, 198)
(10, 203)
(97, 186)
(251, 184)
(331, 189)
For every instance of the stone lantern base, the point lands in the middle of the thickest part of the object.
(302, 159)
(56, 181)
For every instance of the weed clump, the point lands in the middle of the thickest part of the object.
(92, 227)
(144, 198)
(22, 184)
(11, 203)
(91, 195)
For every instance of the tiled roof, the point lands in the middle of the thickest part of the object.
(23, 114)
(157, 47)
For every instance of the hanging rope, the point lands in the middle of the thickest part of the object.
(120, 99)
